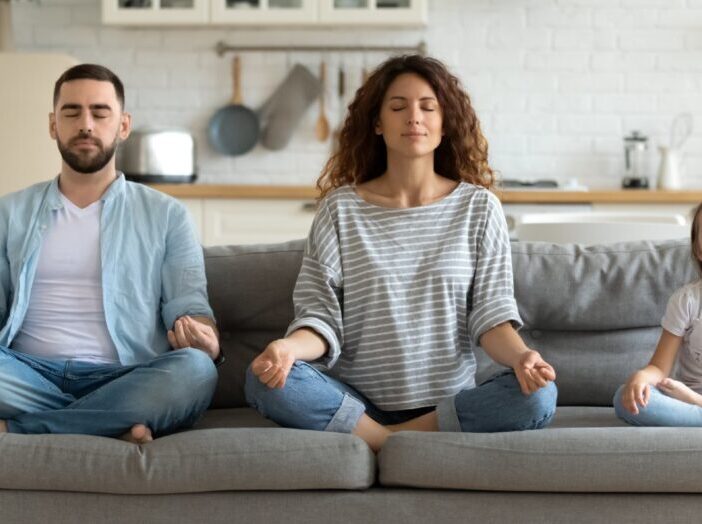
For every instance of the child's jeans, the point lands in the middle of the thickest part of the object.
(661, 410)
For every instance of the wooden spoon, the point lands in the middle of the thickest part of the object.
(321, 130)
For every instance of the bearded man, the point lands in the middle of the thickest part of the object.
(106, 326)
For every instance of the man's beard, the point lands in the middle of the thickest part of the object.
(87, 162)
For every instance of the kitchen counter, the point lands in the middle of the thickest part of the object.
(631, 196)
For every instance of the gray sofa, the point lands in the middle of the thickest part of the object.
(592, 312)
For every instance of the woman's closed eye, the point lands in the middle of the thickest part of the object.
(425, 108)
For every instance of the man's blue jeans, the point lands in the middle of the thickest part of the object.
(40, 395)
(312, 400)
(661, 410)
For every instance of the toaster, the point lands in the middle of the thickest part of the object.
(158, 155)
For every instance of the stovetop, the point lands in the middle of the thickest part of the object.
(517, 183)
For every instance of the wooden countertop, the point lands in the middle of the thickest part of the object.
(528, 196)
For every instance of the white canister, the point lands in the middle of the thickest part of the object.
(669, 169)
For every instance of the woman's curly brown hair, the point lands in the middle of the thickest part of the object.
(362, 156)
(696, 248)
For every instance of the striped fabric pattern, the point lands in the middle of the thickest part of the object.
(403, 295)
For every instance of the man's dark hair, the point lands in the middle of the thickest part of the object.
(91, 72)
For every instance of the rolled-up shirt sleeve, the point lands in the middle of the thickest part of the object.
(492, 292)
(318, 291)
(183, 280)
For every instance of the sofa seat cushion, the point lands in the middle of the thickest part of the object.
(234, 418)
(201, 460)
(586, 449)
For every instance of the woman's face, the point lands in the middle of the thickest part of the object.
(410, 117)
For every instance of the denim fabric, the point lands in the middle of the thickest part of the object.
(661, 410)
(313, 400)
(152, 265)
(40, 395)
(497, 404)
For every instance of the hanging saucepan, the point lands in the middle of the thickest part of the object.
(234, 129)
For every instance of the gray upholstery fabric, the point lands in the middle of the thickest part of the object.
(590, 365)
(585, 417)
(561, 459)
(598, 288)
(189, 462)
(233, 418)
(387, 506)
(593, 312)
(250, 290)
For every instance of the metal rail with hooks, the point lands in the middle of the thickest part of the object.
(221, 48)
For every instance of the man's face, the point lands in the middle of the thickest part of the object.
(87, 124)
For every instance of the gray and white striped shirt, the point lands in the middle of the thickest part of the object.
(402, 295)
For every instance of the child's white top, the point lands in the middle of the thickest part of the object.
(683, 318)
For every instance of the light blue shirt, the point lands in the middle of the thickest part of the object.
(153, 269)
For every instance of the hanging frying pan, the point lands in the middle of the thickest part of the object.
(234, 129)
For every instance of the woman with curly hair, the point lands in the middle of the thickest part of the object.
(407, 267)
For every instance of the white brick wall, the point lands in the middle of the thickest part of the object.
(557, 83)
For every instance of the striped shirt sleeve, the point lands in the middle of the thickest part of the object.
(317, 295)
(493, 288)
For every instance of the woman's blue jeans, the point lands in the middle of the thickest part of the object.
(661, 410)
(39, 395)
(312, 400)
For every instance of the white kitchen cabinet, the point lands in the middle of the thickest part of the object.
(514, 212)
(373, 12)
(195, 208)
(255, 220)
(684, 209)
(266, 12)
(156, 12)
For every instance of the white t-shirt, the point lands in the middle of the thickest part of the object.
(66, 318)
(683, 317)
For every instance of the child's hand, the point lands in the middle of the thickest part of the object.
(636, 393)
(678, 390)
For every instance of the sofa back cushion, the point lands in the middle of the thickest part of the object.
(593, 312)
(250, 290)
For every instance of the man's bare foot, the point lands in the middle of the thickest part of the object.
(139, 434)
(3, 426)
(676, 389)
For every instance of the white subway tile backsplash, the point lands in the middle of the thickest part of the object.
(625, 103)
(75, 36)
(553, 61)
(617, 18)
(578, 16)
(584, 39)
(681, 18)
(556, 83)
(623, 61)
(651, 40)
(684, 62)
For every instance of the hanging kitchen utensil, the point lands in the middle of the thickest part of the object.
(283, 110)
(234, 129)
(341, 86)
(321, 130)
